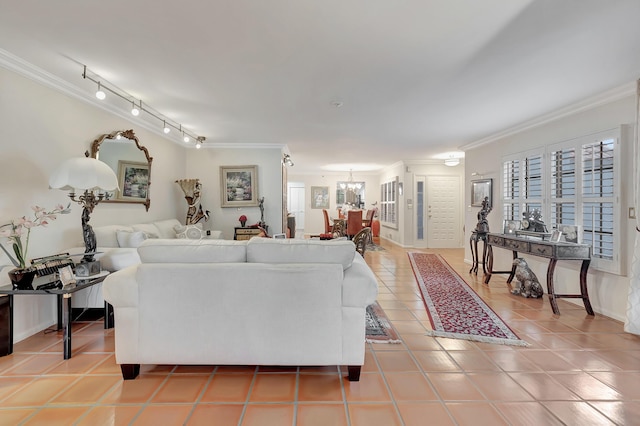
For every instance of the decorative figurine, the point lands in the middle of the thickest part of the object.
(532, 221)
(483, 225)
(529, 284)
(261, 205)
(192, 189)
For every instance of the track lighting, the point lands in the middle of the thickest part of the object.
(104, 86)
(199, 142)
(100, 93)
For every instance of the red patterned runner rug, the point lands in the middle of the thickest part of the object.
(455, 310)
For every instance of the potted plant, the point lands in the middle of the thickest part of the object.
(243, 220)
(22, 276)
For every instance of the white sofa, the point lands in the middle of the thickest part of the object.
(257, 302)
(118, 244)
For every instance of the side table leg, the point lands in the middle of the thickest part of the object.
(10, 342)
(473, 256)
(550, 289)
(60, 309)
(583, 286)
(108, 315)
(66, 325)
(487, 276)
(484, 256)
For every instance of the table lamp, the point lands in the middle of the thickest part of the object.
(93, 177)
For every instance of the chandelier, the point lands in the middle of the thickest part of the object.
(350, 184)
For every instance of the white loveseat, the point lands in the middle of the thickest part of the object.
(257, 302)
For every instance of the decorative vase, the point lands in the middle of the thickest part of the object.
(243, 223)
(21, 279)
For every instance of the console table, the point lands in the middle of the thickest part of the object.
(246, 233)
(63, 294)
(547, 249)
(473, 242)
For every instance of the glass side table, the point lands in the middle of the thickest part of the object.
(63, 295)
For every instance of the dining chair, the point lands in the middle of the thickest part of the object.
(361, 239)
(354, 222)
(327, 223)
(368, 219)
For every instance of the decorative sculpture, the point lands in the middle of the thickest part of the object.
(191, 189)
(483, 224)
(529, 286)
(532, 221)
(261, 205)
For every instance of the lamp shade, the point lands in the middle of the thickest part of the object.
(84, 173)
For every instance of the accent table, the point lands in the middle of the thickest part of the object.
(547, 249)
(473, 242)
(64, 304)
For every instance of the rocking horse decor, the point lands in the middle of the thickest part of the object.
(191, 189)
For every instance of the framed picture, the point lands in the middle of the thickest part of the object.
(133, 180)
(479, 189)
(239, 186)
(319, 197)
(510, 226)
(555, 236)
(570, 233)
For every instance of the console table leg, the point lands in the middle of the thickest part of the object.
(550, 289)
(583, 286)
(484, 256)
(513, 268)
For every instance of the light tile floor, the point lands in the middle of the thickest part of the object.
(579, 370)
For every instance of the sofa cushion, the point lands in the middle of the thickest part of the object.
(190, 232)
(106, 235)
(148, 228)
(269, 250)
(192, 251)
(118, 258)
(166, 228)
(128, 239)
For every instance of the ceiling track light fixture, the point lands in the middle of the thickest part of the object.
(104, 86)
(100, 93)
(200, 141)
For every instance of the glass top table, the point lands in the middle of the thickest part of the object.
(63, 294)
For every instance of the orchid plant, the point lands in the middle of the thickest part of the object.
(21, 227)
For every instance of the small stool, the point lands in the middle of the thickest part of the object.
(473, 242)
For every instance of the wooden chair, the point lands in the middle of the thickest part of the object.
(368, 219)
(354, 222)
(327, 223)
(361, 239)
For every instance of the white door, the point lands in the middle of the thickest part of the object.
(442, 212)
(295, 201)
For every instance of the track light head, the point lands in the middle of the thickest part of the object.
(185, 138)
(166, 128)
(135, 111)
(100, 93)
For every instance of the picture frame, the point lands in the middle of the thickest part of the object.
(480, 189)
(510, 226)
(555, 237)
(570, 233)
(319, 197)
(66, 275)
(133, 180)
(239, 186)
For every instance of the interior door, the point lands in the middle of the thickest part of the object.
(443, 218)
(295, 204)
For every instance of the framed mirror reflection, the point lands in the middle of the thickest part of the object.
(122, 152)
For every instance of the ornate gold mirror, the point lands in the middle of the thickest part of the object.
(121, 150)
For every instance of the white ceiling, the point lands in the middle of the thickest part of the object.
(416, 78)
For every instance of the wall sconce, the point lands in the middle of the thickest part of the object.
(286, 160)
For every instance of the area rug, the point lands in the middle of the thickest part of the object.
(379, 328)
(455, 310)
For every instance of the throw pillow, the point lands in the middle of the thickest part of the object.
(130, 239)
(190, 232)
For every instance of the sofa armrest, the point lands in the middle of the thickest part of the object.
(360, 286)
(120, 288)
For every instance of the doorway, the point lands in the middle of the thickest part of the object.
(295, 205)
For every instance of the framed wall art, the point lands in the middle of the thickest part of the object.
(319, 197)
(239, 186)
(133, 180)
(479, 189)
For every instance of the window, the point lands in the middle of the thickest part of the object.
(388, 204)
(571, 183)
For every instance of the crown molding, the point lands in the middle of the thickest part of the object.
(603, 98)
